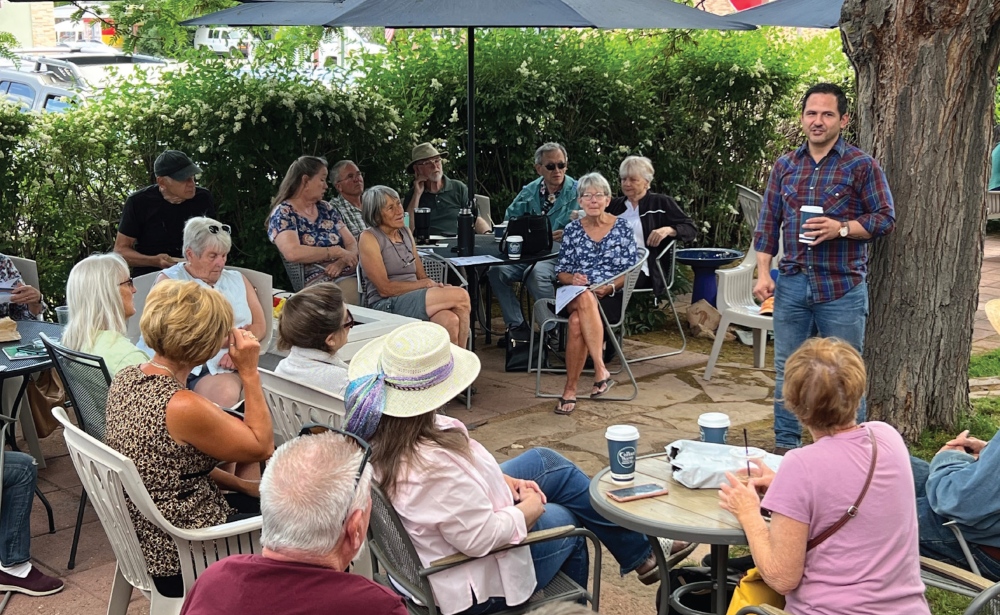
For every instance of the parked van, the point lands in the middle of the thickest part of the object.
(223, 41)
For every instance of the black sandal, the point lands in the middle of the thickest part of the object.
(603, 386)
(560, 407)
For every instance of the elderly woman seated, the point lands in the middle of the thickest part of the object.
(17, 300)
(99, 294)
(308, 230)
(825, 561)
(314, 325)
(175, 436)
(596, 249)
(206, 247)
(655, 218)
(394, 274)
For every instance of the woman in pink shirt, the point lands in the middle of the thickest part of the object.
(451, 494)
(870, 564)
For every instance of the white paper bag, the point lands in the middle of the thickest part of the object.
(703, 465)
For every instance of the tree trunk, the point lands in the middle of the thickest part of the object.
(926, 77)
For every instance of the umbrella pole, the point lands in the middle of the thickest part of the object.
(471, 107)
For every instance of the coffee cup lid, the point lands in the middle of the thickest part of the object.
(622, 432)
(714, 419)
(514, 238)
(811, 209)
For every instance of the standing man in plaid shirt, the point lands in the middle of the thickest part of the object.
(821, 287)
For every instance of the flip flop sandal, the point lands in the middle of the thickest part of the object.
(560, 407)
(603, 386)
(652, 575)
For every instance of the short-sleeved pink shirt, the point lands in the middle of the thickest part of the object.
(871, 566)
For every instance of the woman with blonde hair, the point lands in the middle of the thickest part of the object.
(834, 546)
(176, 437)
(99, 294)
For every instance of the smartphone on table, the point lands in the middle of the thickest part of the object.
(627, 494)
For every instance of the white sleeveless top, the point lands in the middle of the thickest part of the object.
(233, 288)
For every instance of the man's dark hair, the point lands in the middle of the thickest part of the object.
(827, 88)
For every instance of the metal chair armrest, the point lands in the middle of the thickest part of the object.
(533, 537)
(764, 609)
(956, 574)
(953, 526)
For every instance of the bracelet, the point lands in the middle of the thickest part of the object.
(612, 290)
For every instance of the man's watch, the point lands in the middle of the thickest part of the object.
(844, 228)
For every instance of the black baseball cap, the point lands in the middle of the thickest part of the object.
(175, 165)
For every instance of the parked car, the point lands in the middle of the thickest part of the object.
(53, 79)
(223, 41)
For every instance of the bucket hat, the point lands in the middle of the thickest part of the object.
(423, 152)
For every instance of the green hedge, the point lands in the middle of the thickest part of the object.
(709, 109)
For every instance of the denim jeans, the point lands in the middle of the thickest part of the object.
(19, 474)
(797, 318)
(541, 285)
(566, 488)
(939, 542)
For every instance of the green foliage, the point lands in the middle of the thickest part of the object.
(985, 365)
(8, 42)
(982, 421)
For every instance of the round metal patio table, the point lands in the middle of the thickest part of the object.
(692, 515)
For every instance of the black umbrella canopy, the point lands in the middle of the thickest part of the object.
(472, 14)
(794, 14)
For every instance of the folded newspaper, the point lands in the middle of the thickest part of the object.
(703, 465)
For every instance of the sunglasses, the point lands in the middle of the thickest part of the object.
(129, 282)
(215, 229)
(310, 429)
(350, 321)
(552, 166)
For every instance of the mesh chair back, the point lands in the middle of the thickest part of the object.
(393, 548)
(296, 274)
(631, 277)
(436, 269)
(86, 379)
(987, 603)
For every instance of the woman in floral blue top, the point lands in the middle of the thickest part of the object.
(596, 248)
(308, 230)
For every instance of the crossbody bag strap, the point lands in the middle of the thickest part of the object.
(853, 510)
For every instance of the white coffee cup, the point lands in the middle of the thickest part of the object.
(714, 427)
(514, 244)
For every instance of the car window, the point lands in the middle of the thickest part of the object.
(19, 92)
(3, 86)
(57, 104)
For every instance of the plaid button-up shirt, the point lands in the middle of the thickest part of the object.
(849, 185)
(351, 215)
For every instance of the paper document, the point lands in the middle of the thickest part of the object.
(565, 294)
(469, 261)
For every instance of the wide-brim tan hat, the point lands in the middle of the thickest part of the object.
(416, 350)
(423, 152)
(993, 313)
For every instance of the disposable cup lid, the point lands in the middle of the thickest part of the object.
(752, 453)
(514, 238)
(713, 419)
(622, 432)
(811, 209)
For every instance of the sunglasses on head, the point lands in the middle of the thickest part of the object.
(310, 429)
(215, 229)
(552, 166)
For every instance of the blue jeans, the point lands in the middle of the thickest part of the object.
(939, 542)
(540, 282)
(19, 474)
(797, 317)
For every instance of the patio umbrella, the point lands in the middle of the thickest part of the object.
(470, 14)
(794, 14)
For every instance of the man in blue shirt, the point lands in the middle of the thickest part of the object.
(995, 161)
(552, 194)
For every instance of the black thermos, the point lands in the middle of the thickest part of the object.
(422, 225)
(466, 232)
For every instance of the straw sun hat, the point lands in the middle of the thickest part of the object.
(421, 353)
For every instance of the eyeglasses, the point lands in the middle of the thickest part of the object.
(350, 321)
(310, 429)
(552, 166)
(130, 282)
(436, 160)
(592, 196)
(215, 229)
(352, 177)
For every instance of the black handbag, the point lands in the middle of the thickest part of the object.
(517, 355)
(535, 231)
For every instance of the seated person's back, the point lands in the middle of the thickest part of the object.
(313, 326)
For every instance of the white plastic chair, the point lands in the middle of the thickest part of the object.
(736, 304)
(108, 476)
(750, 202)
(992, 205)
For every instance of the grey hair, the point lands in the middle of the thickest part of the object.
(198, 238)
(551, 146)
(637, 165)
(591, 180)
(372, 202)
(94, 300)
(307, 492)
(337, 168)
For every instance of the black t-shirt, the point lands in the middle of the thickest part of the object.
(158, 226)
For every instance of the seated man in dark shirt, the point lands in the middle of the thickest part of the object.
(151, 230)
(436, 191)
(309, 535)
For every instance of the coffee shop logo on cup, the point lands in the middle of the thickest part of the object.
(626, 456)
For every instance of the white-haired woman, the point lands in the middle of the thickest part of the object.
(99, 293)
(206, 247)
(596, 248)
(654, 218)
(395, 274)
(307, 229)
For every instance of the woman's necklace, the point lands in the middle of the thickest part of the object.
(406, 253)
(168, 370)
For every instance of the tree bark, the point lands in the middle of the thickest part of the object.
(926, 77)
